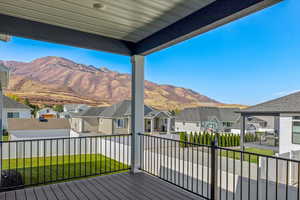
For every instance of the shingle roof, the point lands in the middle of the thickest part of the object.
(207, 113)
(286, 104)
(92, 112)
(10, 103)
(35, 124)
(123, 109)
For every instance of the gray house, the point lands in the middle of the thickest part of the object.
(285, 112)
(86, 121)
(214, 119)
(116, 119)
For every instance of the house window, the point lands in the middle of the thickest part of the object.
(227, 124)
(121, 123)
(296, 132)
(197, 124)
(13, 115)
(183, 123)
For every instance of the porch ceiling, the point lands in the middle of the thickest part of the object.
(121, 26)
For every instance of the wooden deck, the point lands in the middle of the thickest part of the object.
(110, 187)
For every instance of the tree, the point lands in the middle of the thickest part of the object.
(14, 97)
(26, 102)
(58, 108)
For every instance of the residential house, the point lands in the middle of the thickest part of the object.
(86, 121)
(212, 119)
(215, 119)
(116, 119)
(13, 109)
(72, 109)
(47, 113)
(286, 113)
(24, 129)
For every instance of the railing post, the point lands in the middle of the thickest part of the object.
(214, 170)
(243, 131)
(137, 110)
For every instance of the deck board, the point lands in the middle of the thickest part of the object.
(125, 186)
(49, 193)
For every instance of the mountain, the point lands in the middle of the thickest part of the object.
(56, 80)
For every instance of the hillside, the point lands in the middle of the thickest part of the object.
(56, 80)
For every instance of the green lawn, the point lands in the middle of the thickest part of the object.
(253, 158)
(53, 169)
(5, 138)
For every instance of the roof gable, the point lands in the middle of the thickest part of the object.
(12, 104)
(123, 109)
(286, 104)
(208, 113)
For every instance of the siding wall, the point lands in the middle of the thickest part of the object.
(76, 124)
(187, 126)
(24, 113)
(105, 126)
(120, 130)
(285, 138)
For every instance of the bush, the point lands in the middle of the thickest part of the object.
(200, 138)
(196, 138)
(183, 139)
(191, 140)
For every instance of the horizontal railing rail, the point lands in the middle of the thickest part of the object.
(41, 161)
(214, 172)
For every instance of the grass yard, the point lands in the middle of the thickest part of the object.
(40, 170)
(5, 138)
(253, 158)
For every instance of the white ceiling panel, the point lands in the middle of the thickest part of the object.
(130, 20)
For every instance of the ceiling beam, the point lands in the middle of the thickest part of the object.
(210, 17)
(40, 31)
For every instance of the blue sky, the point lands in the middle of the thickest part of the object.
(251, 60)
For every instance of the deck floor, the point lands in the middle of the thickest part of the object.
(123, 186)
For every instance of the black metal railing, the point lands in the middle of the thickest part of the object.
(187, 165)
(42, 161)
(214, 172)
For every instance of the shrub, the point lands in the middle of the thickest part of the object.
(200, 138)
(183, 139)
(196, 138)
(191, 140)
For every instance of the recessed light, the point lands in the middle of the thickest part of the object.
(98, 6)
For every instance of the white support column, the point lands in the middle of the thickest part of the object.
(1, 111)
(137, 110)
(152, 125)
(243, 127)
(168, 125)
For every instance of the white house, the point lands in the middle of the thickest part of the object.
(71, 110)
(13, 109)
(47, 113)
(76, 108)
(26, 129)
(286, 113)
